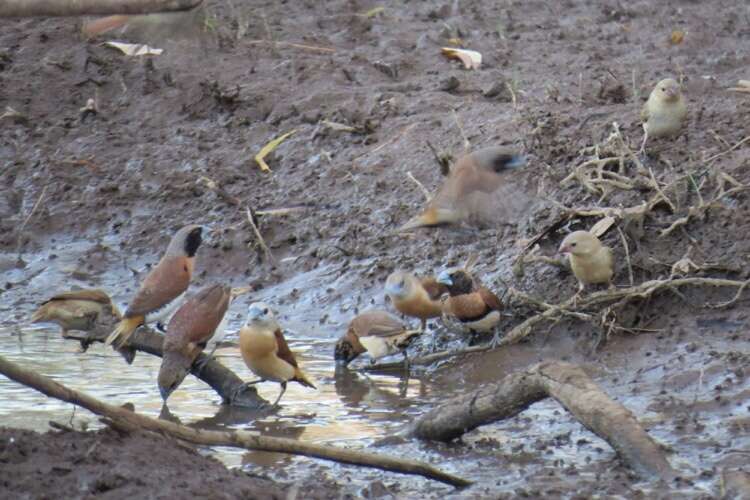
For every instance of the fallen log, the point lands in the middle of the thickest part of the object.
(60, 8)
(569, 386)
(225, 382)
(125, 419)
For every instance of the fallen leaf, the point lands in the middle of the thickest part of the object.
(265, 150)
(338, 127)
(456, 41)
(373, 12)
(602, 226)
(742, 86)
(676, 37)
(471, 58)
(134, 49)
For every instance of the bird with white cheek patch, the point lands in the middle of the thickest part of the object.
(590, 260)
(664, 114)
(266, 352)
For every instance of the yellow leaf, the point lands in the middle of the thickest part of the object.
(602, 226)
(471, 58)
(456, 41)
(373, 12)
(265, 150)
(677, 37)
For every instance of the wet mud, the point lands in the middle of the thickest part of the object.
(92, 202)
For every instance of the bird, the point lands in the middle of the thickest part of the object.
(86, 310)
(665, 111)
(188, 332)
(376, 332)
(472, 306)
(266, 352)
(590, 260)
(163, 288)
(419, 298)
(481, 172)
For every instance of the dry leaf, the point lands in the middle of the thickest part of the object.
(471, 58)
(742, 86)
(676, 37)
(265, 150)
(134, 49)
(338, 127)
(373, 12)
(602, 226)
(456, 41)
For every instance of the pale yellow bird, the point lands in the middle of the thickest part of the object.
(664, 114)
(591, 261)
(266, 352)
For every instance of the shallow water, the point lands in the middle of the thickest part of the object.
(672, 390)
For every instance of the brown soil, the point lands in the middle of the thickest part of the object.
(105, 464)
(113, 187)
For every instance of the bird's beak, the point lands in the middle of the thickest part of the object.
(517, 162)
(165, 392)
(393, 289)
(445, 278)
(253, 314)
(564, 250)
(672, 92)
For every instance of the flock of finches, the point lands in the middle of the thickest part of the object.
(455, 295)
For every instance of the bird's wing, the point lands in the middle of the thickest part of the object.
(467, 307)
(644, 112)
(489, 298)
(197, 319)
(93, 295)
(433, 288)
(282, 349)
(167, 281)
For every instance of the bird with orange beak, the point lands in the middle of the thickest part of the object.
(590, 260)
(162, 290)
(415, 297)
(188, 332)
(265, 351)
(474, 308)
(377, 333)
(482, 172)
(664, 113)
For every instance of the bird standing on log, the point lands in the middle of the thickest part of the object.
(188, 333)
(162, 290)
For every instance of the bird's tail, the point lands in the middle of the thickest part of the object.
(40, 314)
(124, 330)
(433, 217)
(104, 24)
(302, 378)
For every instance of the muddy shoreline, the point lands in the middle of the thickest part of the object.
(91, 203)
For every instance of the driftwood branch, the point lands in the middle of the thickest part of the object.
(59, 8)
(569, 386)
(224, 381)
(239, 439)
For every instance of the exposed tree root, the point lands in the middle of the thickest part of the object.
(569, 386)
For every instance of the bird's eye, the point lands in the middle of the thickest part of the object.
(265, 311)
(663, 89)
(573, 244)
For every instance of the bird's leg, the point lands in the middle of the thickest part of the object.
(495, 338)
(642, 151)
(283, 390)
(242, 387)
(407, 363)
(202, 364)
(424, 324)
(581, 287)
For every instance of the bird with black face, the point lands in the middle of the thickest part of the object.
(188, 332)
(472, 306)
(415, 297)
(377, 333)
(460, 197)
(664, 113)
(163, 288)
(265, 351)
(591, 261)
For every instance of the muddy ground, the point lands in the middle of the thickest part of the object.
(91, 202)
